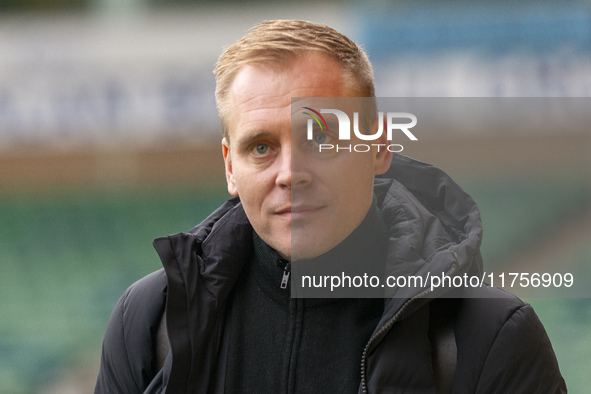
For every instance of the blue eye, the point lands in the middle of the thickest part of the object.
(261, 149)
(320, 138)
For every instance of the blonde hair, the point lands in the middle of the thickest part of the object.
(278, 42)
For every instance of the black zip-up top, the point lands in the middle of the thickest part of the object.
(284, 345)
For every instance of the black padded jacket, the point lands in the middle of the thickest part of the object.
(434, 226)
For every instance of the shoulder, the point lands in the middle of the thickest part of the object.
(503, 346)
(146, 293)
(139, 309)
(486, 309)
(127, 361)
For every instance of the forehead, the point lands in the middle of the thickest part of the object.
(261, 93)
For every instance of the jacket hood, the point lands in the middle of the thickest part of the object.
(435, 228)
(434, 225)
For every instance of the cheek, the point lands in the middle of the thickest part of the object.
(358, 181)
(250, 186)
(354, 169)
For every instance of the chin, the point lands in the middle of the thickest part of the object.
(307, 248)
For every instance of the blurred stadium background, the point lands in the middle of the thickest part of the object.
(109, 138)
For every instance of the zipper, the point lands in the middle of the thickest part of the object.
(383, 332)
(286, 272)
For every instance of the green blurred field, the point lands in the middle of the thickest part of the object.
(66, 257)
(65, 260)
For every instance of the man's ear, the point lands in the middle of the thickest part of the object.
(382, 156)
(232, 189)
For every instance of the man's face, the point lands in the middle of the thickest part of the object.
(302, 205)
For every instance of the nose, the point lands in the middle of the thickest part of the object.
(292, 170)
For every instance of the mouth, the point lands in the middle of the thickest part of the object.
(299, 212)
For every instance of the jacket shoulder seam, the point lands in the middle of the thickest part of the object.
(124, 299)
(517, 309)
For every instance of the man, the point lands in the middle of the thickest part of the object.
(219, 316)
